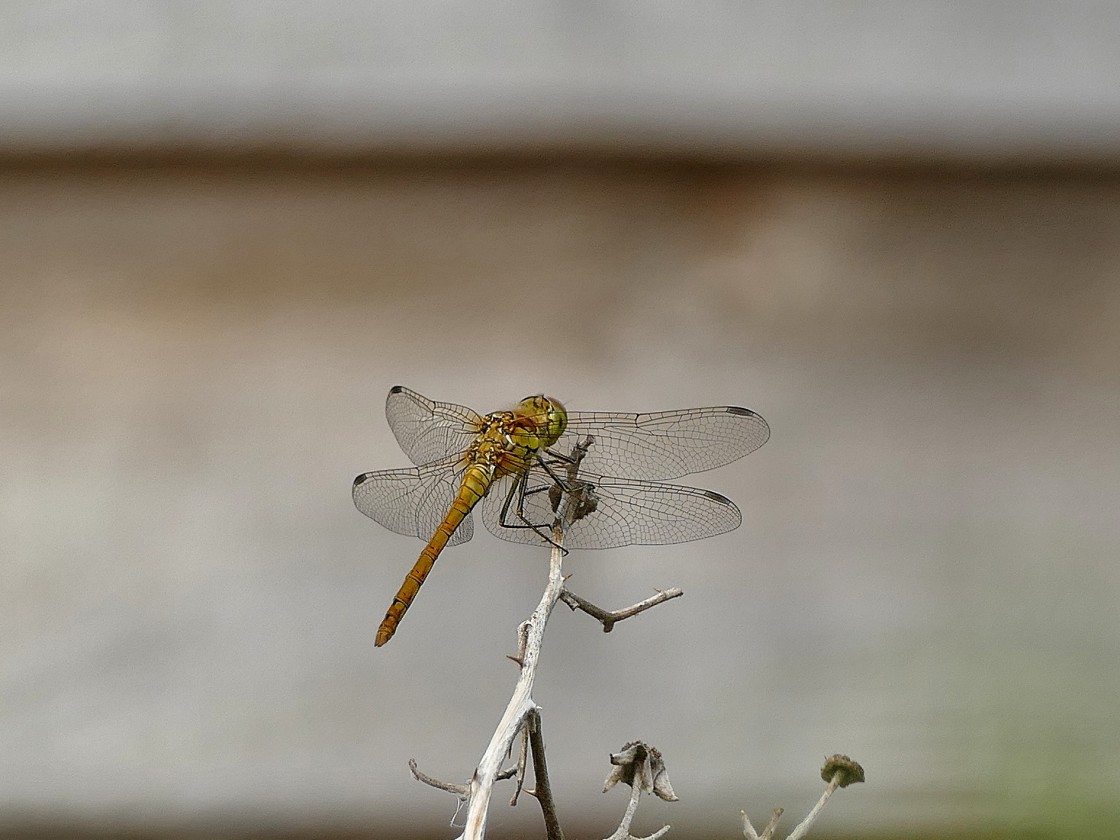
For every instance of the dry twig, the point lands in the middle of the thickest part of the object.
(608, 618)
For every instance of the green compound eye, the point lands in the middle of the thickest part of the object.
(549, 414)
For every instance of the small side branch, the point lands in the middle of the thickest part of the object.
(461, 791)
(608, 618)
(542, 790)
(768, 832)
(623, 830)
(518, 772)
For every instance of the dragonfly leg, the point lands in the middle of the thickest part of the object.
(563, 483)
(582, 500)
(518, 490)
(580, 491)
(571, 462)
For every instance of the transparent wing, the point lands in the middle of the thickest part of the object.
(665, 444)
(428, 430)
(627, 512)
(413, 501)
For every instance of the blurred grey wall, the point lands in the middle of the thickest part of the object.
(196, 342)
(986, 80)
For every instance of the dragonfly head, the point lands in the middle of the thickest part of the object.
(548, 415)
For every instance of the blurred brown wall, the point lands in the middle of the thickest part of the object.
(194, 353)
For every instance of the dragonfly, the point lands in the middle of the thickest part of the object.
(512, 465)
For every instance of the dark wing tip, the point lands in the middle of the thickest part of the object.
(738, 409)
(361, 479)
(746, 412)
(717, 497)
(396, 389)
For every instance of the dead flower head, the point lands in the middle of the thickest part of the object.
(640, 765)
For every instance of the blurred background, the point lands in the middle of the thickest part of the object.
(226, 229)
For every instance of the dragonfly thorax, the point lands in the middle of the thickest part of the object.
(508, 440)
